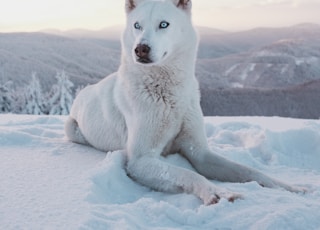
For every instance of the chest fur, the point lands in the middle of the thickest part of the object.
(158, 88)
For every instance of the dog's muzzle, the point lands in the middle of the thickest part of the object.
(142, 52)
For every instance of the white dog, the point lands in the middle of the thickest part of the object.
(150, 107)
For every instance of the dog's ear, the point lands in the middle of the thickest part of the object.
(183, 4)
(131, 4)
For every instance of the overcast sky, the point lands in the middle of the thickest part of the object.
(33, 15)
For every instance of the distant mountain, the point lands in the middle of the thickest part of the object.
(114, 32)
(220, 45)
(262, 57)
(84, 61)
(109, 33)
(284, 63)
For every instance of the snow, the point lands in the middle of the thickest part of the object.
(231, 69)
(307, 60)
(47, 182)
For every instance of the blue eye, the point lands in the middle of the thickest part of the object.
(164, 25)
(137, 26)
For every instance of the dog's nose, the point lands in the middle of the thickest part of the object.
(142, 51)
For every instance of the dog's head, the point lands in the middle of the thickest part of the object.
(157, 29)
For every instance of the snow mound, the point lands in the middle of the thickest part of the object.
(49, 183)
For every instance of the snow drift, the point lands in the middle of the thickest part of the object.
(50, 183)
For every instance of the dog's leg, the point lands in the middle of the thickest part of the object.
(147, 140)
(193, 145)
(216, 167)
(159, 175)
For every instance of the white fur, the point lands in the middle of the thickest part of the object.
(153, 109)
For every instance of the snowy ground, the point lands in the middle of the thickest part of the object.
(47, 182)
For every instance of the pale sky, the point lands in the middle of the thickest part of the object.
(34, 15)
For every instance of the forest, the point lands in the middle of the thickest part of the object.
(31, 99)
(297, 102)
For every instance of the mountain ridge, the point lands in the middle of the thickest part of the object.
(224, 58)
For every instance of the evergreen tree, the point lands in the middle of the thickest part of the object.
(34, 98)
(5, 98)
(61, 98)
(19, 98)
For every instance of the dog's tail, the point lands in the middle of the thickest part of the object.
(73, 131)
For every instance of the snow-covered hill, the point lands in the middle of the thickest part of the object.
(85, 61)
(284, 63)
(50, 183)
(262, 57)
(222, 44)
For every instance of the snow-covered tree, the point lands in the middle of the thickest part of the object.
(61, 97)
(34, 97)
(19, 98)
(5, 98)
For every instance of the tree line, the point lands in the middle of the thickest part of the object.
(296, 102)
(31, 99)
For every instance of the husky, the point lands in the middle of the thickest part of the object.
(150, 108)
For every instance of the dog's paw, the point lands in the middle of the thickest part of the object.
(215, 197)
(211, 200)
(298, 189)
(230, 196)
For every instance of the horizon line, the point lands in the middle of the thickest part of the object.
(121, 26)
